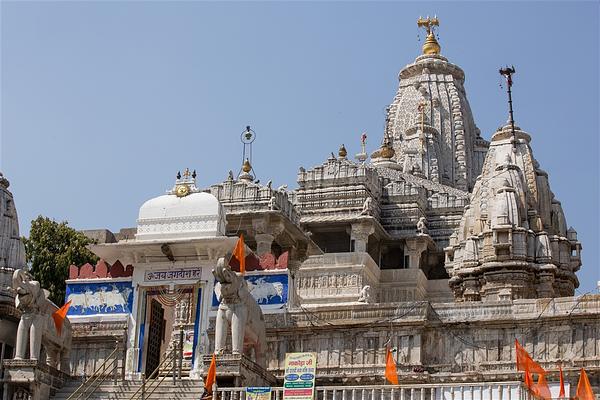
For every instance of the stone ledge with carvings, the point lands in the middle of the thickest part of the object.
(397, 285)
(28, 371)
(331, 315)
(418, 311)
(524, 309)
(96, 330)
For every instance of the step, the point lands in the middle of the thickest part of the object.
(183, 389)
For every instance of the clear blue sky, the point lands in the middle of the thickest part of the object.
(102, 102)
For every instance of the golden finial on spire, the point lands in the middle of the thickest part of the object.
(431, 45)
(246, 167)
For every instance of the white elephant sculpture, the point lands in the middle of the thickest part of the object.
(36, 327)
(240, 311)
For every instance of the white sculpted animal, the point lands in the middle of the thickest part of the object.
(78, 300)
(95, 301)
(36, 327)
(240, 311)
(116, 298)
(103, 300)
(263, 291)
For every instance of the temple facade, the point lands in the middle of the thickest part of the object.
(441, 244)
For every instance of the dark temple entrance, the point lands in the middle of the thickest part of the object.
(155, 337)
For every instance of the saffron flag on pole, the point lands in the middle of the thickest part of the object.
(525, 362)
(541, 389)
(211, 376)
(528, 381)
(561, 394)
(390, 368)
(584, 389)
(239, 252)
(59, 316)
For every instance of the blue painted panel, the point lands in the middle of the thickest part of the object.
(271, 289)
(93, 298)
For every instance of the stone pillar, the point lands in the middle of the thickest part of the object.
(415, 350)
(415, 247)
(263, 243)
(545, 285)
(359, 233)
(265, 232)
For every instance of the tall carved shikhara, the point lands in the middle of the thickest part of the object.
(449, 149)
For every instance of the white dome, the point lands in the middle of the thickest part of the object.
(171, 217)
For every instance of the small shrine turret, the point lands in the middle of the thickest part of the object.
(512, 242)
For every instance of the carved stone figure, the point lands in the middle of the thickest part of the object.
(422, 226)
(21, 394)
(240, 311)
(36, 327)
(365, 294)
(367, 206)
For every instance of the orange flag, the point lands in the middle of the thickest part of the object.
(239, 252)
(541, 389)
(390, 368)
(562, 383)
(59, 316)
(525, 362)
(528, 380)
(584, 389)
(211, 377)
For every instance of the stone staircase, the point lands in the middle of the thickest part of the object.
(184, 389)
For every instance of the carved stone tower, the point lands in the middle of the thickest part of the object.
(513, 241)
(12, 256)
(431, 106)
(12, 251)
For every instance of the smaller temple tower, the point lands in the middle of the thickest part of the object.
(513, 241)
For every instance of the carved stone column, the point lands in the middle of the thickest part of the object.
(415, 247)
(265, 232)
(359, 233)
(545, 285)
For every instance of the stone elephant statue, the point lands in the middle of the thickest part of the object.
(37, 331)
(239, 311)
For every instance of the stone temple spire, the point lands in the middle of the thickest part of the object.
(432, 80)
(512, 241)
(12, 251)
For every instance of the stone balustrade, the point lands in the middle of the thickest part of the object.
(239, 197)
(475, 391)
(338, 277)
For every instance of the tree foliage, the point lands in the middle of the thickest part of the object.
(50, 249)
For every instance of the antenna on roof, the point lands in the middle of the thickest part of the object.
(507, 72)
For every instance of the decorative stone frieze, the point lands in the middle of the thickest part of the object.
(337, 277)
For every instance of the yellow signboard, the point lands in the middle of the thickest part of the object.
(299, 376)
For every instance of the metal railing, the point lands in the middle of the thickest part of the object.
(108, 369)
(465, 391)
(173, 362)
